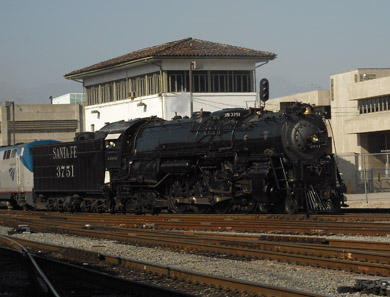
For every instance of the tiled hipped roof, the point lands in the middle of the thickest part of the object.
(188, 47)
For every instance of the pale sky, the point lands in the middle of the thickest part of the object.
(42, 40)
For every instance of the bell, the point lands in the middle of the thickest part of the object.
(307, 110)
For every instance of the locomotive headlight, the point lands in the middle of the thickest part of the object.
(315, 139)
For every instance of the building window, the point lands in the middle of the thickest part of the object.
(210, 81)
(120, 90)
(231, 81)
(367, 76)
(376, 104)
(142, 85)
(241, 81)
(332, 89)
(178, 81)
(200, 81)
(153, 84)
(219, 81)
(9, 154)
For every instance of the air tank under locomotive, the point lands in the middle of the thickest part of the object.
(233, 160)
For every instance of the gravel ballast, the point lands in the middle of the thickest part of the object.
(301, 278)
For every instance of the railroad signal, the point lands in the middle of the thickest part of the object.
(264, 90)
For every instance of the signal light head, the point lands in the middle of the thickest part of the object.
(264, 89)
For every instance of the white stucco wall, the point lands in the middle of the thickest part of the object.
(167, 107)
(98, 115)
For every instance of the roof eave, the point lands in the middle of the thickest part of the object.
(106, 68)
(82, 75)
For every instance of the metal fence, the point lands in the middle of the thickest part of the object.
(365, 173)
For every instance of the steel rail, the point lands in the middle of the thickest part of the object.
(115, 285)
(313, 255)
(379, 247)
(223, 224)
(329, 258)
(348, 250)
(175, 273)
(40, 276)
(342, 217)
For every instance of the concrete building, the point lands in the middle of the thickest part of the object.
(25, 123)
(359, 102)
(359, 124)
(317, 98)
(177, 77)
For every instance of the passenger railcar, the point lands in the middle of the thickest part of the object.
(16, 174)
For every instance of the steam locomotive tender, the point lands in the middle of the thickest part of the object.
(233, 160)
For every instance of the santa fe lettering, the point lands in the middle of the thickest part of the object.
(65, 152)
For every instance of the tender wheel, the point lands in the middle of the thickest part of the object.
(83, 206)
(94, 206)
(291, 205)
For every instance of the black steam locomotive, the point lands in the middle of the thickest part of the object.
(233, 160)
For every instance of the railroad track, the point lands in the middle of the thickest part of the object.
(351, 256)
(351, 215)
(251, 223)
(236, 287)
(29, 274)
(23, 276)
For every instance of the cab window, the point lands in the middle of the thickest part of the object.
(9, 154)
(6, 155)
